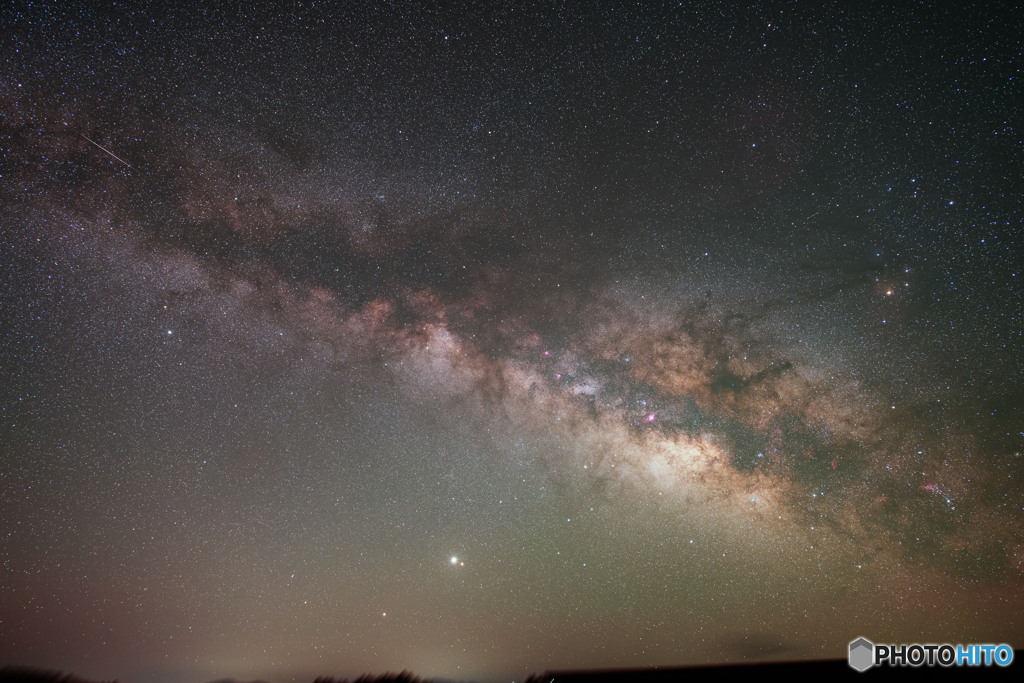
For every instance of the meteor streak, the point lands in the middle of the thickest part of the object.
(106, 150)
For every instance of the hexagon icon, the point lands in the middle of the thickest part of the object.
(862, 654)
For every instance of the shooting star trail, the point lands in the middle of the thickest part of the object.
(106, 150)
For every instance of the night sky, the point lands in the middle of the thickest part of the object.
(478, 341)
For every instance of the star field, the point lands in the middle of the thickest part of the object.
(478, 341)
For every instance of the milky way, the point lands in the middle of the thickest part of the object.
(691, 334)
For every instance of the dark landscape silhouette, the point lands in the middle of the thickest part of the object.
(824, 668)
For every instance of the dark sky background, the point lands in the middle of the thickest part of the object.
(484, 340)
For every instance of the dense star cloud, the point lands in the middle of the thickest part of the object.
(479, 341)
